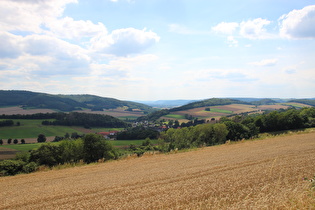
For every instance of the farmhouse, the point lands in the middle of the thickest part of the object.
(108, 135)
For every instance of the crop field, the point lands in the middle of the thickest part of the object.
(224, 110)
(31, 129)
(119, 113)
(261, 174)
(19, 110)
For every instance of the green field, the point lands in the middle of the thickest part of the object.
(116, 143)
(22, 147)
(31, 129)
(220, 111)
(175, 116)
(106, 129)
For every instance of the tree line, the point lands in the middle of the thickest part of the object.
(90, 148)
(86, 120)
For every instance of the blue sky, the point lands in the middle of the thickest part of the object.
(159, 49)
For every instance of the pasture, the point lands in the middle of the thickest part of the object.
(261, 174)
(31, 129)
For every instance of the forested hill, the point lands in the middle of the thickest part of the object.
(99, 103)
(66, 103)
(208, 102)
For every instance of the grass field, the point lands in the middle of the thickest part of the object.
(261, 174)
(220, 111)
(175, 116)
(31, 129)
(21, 147)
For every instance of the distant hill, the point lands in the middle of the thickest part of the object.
(66, 103)
(167, 103)
(208, 102)
(310, 102)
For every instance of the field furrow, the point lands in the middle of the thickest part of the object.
(262, 174)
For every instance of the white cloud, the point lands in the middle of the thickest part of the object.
(10, 45)
(226, 28)
(69, 28)
(266, 62)
(298, 24)
(122, 42)
(31, 16)
(254, 29)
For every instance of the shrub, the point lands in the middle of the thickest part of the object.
(11, 167)
(30, 167)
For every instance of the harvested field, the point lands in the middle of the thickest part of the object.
(115, 112)
(7, 153)
(262, 174)
(19, 110)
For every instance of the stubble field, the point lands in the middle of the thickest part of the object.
(261, 174)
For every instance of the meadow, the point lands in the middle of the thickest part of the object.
(272, 173)
(31, 129)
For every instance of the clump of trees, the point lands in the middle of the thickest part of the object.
(89, 149)
(86, 120)
(4, 123)
(138, 133)
(195, 136)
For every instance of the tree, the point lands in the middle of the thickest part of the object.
(22, 141)
(95, 147)
(1, 141)
(41, 138)
(9, 141)
(47, 154)
(15, 141)
(207, 109)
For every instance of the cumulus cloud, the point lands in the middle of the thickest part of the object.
(254, 29)
(226, 28)
(28, 15)
(10, 45)
(71, 29)
(122, 42)
(266, 62)
(298, 24)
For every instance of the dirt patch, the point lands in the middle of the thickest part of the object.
(7, 153)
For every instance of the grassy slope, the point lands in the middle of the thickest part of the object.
(31, 129)
(263, 174)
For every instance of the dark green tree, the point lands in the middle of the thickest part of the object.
(47, 154)
(22, 141)
(9, 141)
(95, 147)
(41, 138)
(1, 141)
(15, 141)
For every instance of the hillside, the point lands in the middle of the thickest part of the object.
(264, 174)
(29, 99)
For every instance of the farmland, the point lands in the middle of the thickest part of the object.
(262, 174)
(225, 110)
(29, 130)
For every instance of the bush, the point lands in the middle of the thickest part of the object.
(30, 167)
(11, 167)
(47, 154)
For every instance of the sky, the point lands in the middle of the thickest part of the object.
(159, 49)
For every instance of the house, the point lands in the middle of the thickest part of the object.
(108, 135)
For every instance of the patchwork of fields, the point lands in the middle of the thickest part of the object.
(261, 174)
(225, 110)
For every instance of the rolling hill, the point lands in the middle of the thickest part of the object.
(28, 99)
